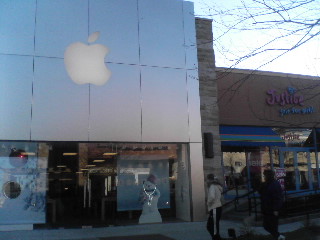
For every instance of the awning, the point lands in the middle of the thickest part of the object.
(249, 136)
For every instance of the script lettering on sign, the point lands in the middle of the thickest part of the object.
(286, 99)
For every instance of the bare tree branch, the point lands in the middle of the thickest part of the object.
(287, 25)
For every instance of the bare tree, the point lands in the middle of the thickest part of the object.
(285, 24)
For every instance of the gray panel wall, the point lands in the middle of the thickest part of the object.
(17, 27)
(117, 20)
(115, 108)
(152, 95)
(164, 105)
(60, 108)
(59, 23)
(197, 182)
(16, 75)
(161, 33)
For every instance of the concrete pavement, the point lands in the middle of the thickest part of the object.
(177, 231)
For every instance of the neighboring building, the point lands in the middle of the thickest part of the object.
(269, 120)
(74, 153)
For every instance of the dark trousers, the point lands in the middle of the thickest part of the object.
(270, 224)
(214, 223)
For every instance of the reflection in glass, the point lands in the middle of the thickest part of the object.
(315, 169)
(295, 164)
(23, 178)
(11, 190)
(18, 158)
(303, 169)
(101, 182)
(291, 170)
(298, 167)
(235, 172)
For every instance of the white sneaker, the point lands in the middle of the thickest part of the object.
(281, 237)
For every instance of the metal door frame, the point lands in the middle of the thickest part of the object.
(295, 151)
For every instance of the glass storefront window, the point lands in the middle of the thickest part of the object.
(72, 184)
(23, 182)
(295, 164)
(303, 158)
(235, 172)
(314, 171)
(112, 183)
(242, 170)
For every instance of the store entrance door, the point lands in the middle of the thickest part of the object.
(82, 186)
(297, 165)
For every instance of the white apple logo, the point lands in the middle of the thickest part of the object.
(85, 63)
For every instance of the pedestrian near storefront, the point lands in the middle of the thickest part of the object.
(214, 203)
(271, 203)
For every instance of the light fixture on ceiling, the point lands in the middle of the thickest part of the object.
(70, 154)
(113, 151)
(110, 154)
(61, 166)
(90, 165)
(28, 153)
(99, 160)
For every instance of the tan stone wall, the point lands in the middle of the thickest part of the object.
(208, 94)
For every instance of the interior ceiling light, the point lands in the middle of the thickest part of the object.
(61, 166)
(99, 160)
(28, 153)
(70, 154)
(91, 165)
(109, 154)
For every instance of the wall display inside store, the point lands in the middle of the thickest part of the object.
(133, 174)
(22, 182)
(149, 197)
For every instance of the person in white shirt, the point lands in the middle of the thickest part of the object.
(214, 204)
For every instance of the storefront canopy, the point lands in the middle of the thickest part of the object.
(249, 136)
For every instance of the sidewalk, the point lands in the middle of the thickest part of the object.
(177, 231)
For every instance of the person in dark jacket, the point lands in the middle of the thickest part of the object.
(271, 203)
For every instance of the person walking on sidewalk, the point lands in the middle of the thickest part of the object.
(271, 202)
(214, 203)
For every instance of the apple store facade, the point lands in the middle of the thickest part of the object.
(99, 98)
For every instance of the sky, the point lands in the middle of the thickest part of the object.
(304, 60)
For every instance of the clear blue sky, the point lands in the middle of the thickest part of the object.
(304, 60)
